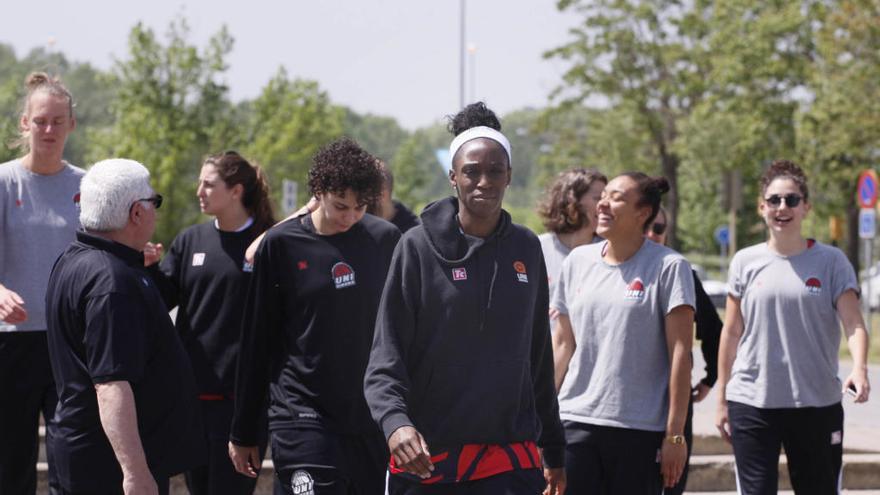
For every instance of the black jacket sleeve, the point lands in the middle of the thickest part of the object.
(387, 382)
(259, 324)
(708, 331)
(552, 436)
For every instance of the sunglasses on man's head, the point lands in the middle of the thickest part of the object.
(658, 228)
(791, 200)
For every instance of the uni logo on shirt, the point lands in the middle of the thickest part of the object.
(814, 286)
(198, 259)
(459, 274)
(520, 268)
(343, 275)
(635, 290)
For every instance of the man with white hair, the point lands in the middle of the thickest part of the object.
(127, 399)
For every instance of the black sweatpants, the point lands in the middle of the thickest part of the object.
(162, 483)
(27, 389)
(218, 475)
(813, 442)
(315, 461)
(519, 482)
(609, 461)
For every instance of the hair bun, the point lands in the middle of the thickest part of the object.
(473, 115)
(36, 79)
(662, 184)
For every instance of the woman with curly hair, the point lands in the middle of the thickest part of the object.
(307, 331)
(568, 211)
(778, 361)
(202, 273)
(461, 374)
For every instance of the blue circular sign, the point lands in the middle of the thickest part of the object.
(722, 235)
(867, 189)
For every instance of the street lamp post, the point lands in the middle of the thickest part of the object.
(461, 54)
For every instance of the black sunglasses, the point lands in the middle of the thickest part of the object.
(658, 228)
(791, 200)
(156, 200)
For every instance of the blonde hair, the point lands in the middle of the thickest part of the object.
(40, 82)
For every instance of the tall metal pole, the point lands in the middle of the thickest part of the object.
(462, 53)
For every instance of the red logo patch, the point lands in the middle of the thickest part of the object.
(520, 268)
(459, 274)
(302, 264)
(76, 199)
(814, 286)
(343, 275)
(18, 203)
(635, 290)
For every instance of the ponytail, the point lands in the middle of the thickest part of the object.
(234, 169)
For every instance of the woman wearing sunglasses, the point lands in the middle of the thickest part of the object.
(205, 275)
(778, 361)
(708, 333)
(622, 349)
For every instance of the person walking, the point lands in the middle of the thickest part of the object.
(622, 348)
(778, 360)
(308, 326)
(461, 374)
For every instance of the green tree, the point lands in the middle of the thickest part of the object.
(169, 109)
(646, 60)
(288, 123)
(839, 130)
(381, 136)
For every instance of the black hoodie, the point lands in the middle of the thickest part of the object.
(462, 343)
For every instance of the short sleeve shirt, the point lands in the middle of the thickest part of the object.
(619, 372)
(788, 353)
(107, 322)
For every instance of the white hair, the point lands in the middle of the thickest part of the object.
(107, 192)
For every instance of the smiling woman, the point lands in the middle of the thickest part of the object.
(788, 297)
(39, 215)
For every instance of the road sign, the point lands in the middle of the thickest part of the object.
(722, 235)
(288, 199)
(866, 192)
(867, 223)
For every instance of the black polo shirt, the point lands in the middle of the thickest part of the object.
(107, 322)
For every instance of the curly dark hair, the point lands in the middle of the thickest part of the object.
(785, 169)
(341, 165)
(560, 208)
(473, 115)
(651, 191)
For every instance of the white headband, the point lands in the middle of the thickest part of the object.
(479, 132)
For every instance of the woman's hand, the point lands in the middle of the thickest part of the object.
(410, 452)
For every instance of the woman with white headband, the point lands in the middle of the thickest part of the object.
(461, 372)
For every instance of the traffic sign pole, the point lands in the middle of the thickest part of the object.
(866, 196)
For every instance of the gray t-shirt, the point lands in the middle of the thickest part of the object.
(619, 372)
(555, 253)
(39, 216)
(787, 356)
